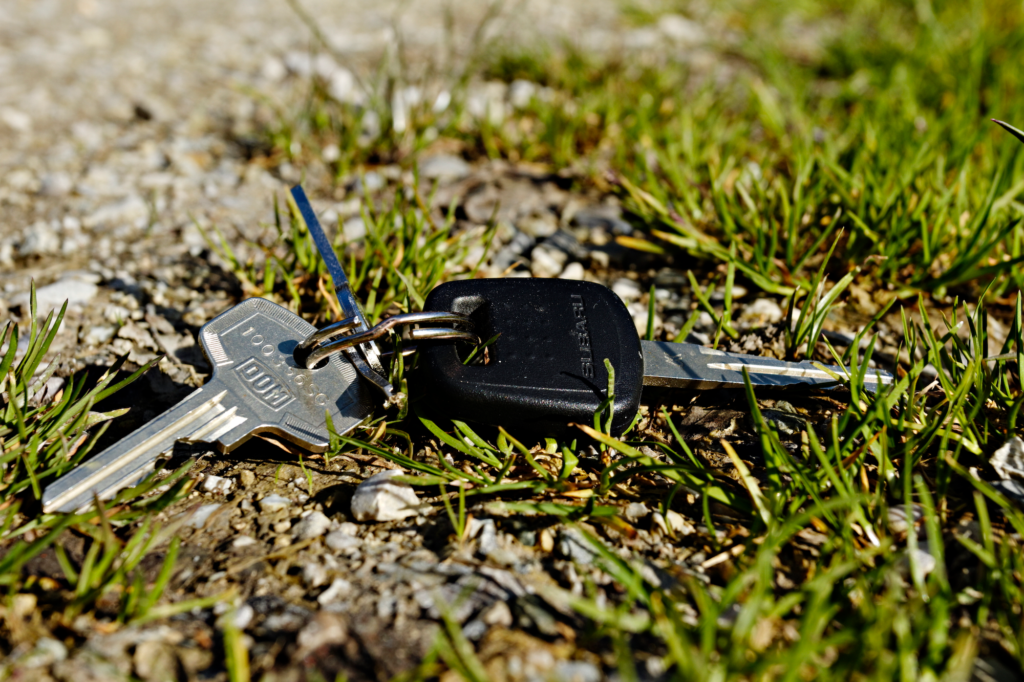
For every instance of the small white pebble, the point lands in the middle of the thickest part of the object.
(678, 523)
(626, 289)
(636, 510)
(218, 485)
(311, 526)
(338, 589)
(200, 516)
(574, 271)
(274, 503)
(379, 498)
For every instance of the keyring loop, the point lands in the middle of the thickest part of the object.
(331, 330)
(435, 333)
(351, 340)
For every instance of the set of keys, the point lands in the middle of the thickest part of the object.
(275, 373)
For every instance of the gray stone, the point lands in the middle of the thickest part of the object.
(605, 217)
(762, 312)
(475, 525)
(338, 590)
(517, 246)
(488, 541)
(98, 335)
(116, 314)
(640, 313)
(343, 87)
(39, 240)
(574, 546)
(681, 30)
(241, 617)
(131, 210)
(547, 261)
(18, 121)
(289, 620)
(900, 521)
(217, 485)
(574, 271)
(324, 629)
(155, 662)
(379, 498)
(576, 671)
(627, 289)
(137, 335)
(474, 629)
(1008, 460)
(521, 92)
(22, 180)
(201, 515)
(368, 182)
(274, 503)
(539, 226)
(49, 390)
(635, 511)
(56, 184)
(443, 167)
(1012, 488)
(314, 574)
(342, 542)
(73, 289)
(678, 523)
(354, 229)
(567, 243)
(498, 614)
(918, 562)
(46, 652)
(312, 526)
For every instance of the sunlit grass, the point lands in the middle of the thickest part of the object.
(866, 160)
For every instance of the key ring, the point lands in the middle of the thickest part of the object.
(315, 351)
(334, 329)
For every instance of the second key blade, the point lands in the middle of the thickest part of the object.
(200, 416)
(687, 365)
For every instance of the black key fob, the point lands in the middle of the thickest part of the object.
(546, 369)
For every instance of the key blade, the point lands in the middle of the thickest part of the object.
(256, 387)
(687, 365)
(199, 417)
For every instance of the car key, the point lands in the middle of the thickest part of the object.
(257, 387)
(547, 367)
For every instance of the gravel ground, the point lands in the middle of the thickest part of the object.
(122, 124)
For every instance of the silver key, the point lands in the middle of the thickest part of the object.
(256, 387)
(687, 365)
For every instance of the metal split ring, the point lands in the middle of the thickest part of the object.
(334, 329)
(315, 349)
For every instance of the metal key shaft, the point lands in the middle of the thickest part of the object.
(256, 387)
(687, 365)
(198, 417)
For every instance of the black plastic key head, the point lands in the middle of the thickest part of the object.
(546, 369)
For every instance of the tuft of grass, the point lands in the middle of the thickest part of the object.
(42, 438)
